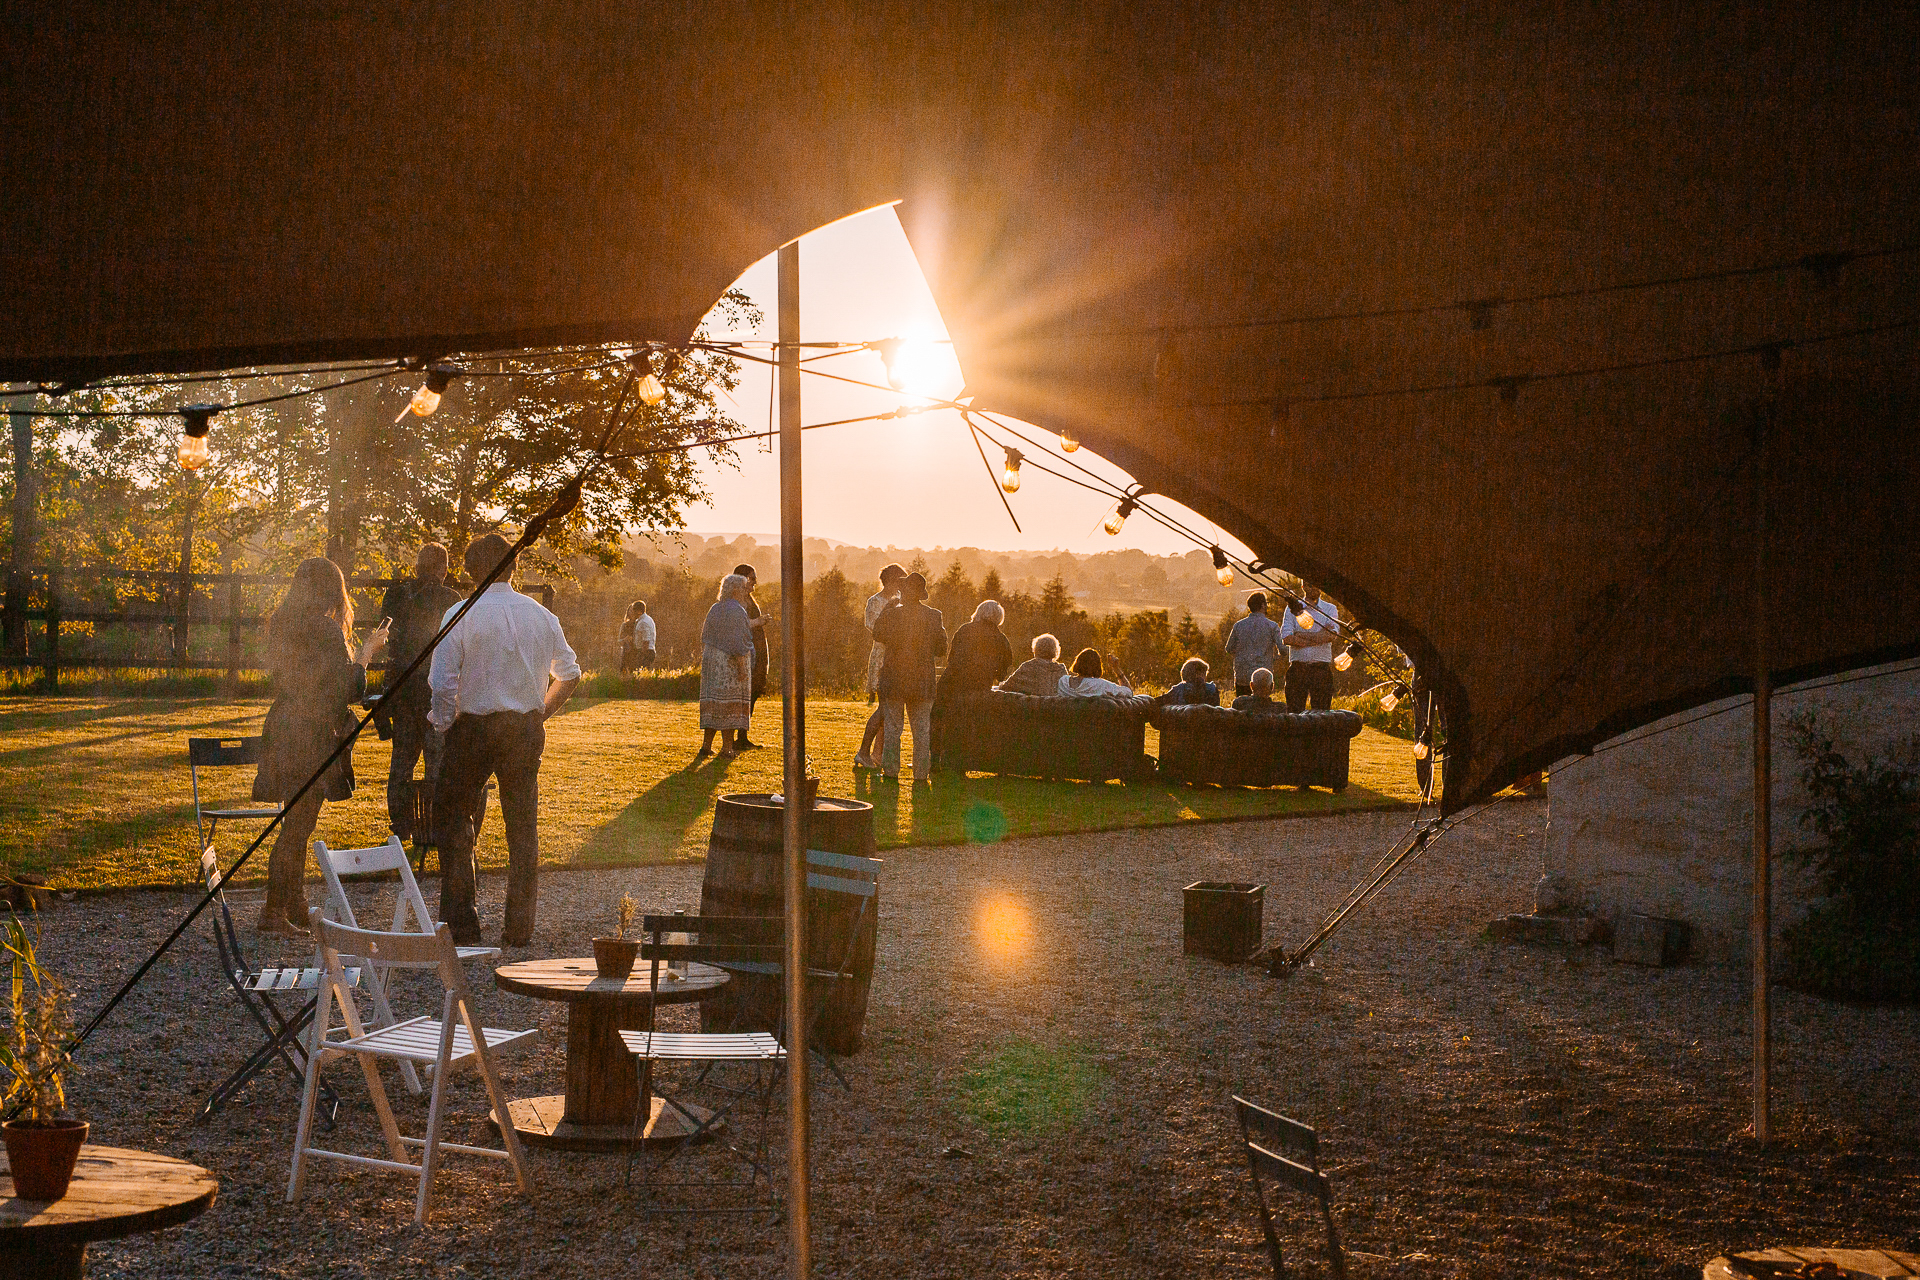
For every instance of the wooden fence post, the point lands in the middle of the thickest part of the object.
(53, 631)
(233, 636)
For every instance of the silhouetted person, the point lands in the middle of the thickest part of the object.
(1259, 696)
(915, 640)
(1310, 671)
(1254, 643)
(760, 654)
(1194, 689)
(1039, 675)
(417, 606)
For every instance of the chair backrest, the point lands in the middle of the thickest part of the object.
(720, 938)
(842, 873)
(403, 950)
(232, 960)
(206, 752)
(1265, 1133)
(408, 901)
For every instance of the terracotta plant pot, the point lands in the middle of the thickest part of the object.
(613, 957)
(42, 1155)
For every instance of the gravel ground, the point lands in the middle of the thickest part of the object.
(1484, 1110)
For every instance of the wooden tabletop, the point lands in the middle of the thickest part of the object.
(115, 1193)
(1857, 1264)
(575, 980)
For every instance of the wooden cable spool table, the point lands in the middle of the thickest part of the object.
(603, 1081)
(1855, 1264)
(115, 1192)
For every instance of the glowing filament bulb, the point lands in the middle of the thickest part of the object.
(1222, 570)
(1420, 749)
(194, 450)
(1117, 518)
(1010, 478)
(1343, 661)
(650, 390)
(427, 398)
(1301, 618)
(1069, 442)
(1391, 699)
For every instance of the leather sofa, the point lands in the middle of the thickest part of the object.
(1255, 748)
(1042, 737)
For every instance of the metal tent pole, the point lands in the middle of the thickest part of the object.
(1762, 926)
(794, 704)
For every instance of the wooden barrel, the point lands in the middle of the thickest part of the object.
(746, 877)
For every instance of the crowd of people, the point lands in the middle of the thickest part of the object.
(913, 693)
(477, 713)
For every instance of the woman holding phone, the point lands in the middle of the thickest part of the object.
(317, 679)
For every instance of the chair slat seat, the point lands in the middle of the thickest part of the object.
(703, 1046)
(307, 979)
(418, 1040)
(239, 813)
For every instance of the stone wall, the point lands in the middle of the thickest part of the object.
(1660, 820)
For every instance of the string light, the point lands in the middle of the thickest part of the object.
(649, 387)
(1069, 442)
(427, 398)
(1221, 569)
(1010, 478)
(1301, 617)
(1391, 698)
(1343, 661)
(1420, 748)
(1117, 518)
(194, 450)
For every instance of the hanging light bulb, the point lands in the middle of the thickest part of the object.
(1117, 518)
(1221, 569)
(1391, 699)
(427, 398)
(1068, 441)
(1010, 478)
(1420, 749)
(648, 386)
(1343, 661)
(194, 450)
(1301, 617)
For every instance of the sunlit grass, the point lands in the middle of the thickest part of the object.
(94, 791)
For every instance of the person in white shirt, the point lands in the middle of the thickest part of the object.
(1310, 673)
(1087, 679)
(496, 679)
(637, 634)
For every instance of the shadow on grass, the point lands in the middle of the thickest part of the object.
(23, 721)
(651, 828)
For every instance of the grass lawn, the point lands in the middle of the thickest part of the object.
(94, 792)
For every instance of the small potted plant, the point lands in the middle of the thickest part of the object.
(614, 956)
(42, 1143)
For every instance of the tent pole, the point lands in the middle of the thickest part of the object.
(1762, 926)
(793, 817)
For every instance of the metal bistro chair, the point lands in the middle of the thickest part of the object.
(257, 990)
(408, 903)
(222, 753)
(455, 1039)
(1267, 1135)
(722, 938)
(849, 877)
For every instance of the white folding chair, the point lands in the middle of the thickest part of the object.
(223, 753)
(408, 905)
(454, 1039)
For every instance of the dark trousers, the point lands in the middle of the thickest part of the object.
(413, 738)
(507, 746)
(1309, 682)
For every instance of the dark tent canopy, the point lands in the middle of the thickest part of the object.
(1116, 204)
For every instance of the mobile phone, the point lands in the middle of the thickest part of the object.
(384, 624)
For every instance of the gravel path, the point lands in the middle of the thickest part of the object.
(1484, 1110)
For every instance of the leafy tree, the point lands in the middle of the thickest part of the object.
(991, 587)
(954, 596)
(837, 639)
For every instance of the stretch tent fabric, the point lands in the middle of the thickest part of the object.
(1115, 203)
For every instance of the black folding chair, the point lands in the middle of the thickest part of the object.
(258, 990)
(753, 939)
(222, 753)
(1288, 1153)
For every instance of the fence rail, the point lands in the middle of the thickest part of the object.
(46, 584)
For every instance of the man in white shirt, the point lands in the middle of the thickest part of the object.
(1310, 674)
(496, 679)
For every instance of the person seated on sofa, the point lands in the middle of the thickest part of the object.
(1194, 689)
(1261, 699)
(1087, 681)
(1039, 675)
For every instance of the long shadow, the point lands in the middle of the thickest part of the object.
(56, 750)
(658, 819)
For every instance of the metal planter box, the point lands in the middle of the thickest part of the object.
(1221, 920)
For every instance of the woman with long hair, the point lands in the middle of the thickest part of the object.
(726, 667)
(1087, 679)
(317, 678)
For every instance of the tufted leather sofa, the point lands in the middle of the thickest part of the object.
(1092, 738)
(1254, 748)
